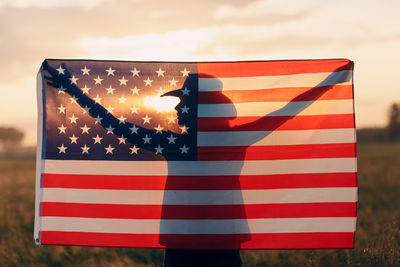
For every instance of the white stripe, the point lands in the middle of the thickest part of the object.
(249, 167)
(238, 226)
(280, 81)
(200, 197)
(269, 138)
(320, 107)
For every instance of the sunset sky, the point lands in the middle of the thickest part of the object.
(365, 31)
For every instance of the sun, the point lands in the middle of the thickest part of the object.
(165, 103)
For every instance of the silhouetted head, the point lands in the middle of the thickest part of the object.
(212, 102)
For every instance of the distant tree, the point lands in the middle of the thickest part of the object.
(371, 135)
(10, 137)
(393, 127)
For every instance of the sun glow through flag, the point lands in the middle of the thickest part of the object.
(211, 155)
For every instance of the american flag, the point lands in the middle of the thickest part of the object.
(210, 155)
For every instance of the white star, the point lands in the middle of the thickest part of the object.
(171, 119)
(61, 89)
(146, 139)
(171, 139)
(185, 109)
(85, 129)
(85, 71)
(185, 72)
(86, 109)
(134, 129)
(173, 82)
(109, 149)
(97, 80)
(85, 89)
(134, 149)
(110, 90)
(110, 129)
(135, 91)
(73, 79)
(97, 139)
(62, 129)
(159, 129)
(159, 149)
(122, 100)
(134, 109)
(109, 109)
(135, 72)
(61, 108)
(73, 99)
(85, 149)
(73, 139)
(110, 71)
(73, 119)
(185, 91)
(60, 70)
(98, 119)
(160, 91)
(62, 149)
(148, 81)
(122, 81)
(184, 129)
(97, 99)
(160, 72)
(122, 140)
(184, 149)
(146, 119)
(122, 119)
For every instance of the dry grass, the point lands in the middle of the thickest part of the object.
(377, 236)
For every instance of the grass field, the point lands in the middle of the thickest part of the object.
(377, 236)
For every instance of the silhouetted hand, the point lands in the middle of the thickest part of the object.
(61, 80)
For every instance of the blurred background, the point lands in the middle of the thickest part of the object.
(365, 31)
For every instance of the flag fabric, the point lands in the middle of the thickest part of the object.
(209, 155)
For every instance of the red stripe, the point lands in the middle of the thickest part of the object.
(265, 68)
(277, 94)
(199, 212)
(243, 182)
(277, 152)
(271, 123)
(258, 241)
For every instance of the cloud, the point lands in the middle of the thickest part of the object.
(265, 9)
(234, 42)
(52, 3)
(175, 45)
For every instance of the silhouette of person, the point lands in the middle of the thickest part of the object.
(181, 257)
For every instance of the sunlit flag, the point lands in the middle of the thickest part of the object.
(222, 155)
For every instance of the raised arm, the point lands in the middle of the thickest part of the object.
(99, 113)
(295, 106)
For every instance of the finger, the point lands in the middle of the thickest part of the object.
(66, 71)
(51, 81)
(45, 64)
(52, 84)
(49, 78)
(50, 69)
